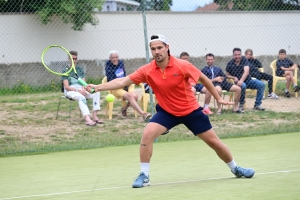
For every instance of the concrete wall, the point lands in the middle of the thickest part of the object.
(34, 74)
(23, 38)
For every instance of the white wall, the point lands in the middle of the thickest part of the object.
(23, 37)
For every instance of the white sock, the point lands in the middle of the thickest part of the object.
(232, 165)
(145, 167)
(206, 105)
(286, 90)
(295, 85)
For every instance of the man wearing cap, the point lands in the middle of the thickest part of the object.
(168, 77)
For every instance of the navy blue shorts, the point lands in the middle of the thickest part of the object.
(196, 121)
(198, 87)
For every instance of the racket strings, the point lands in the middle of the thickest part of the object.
(57, 60)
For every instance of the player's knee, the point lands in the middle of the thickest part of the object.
(148, 136)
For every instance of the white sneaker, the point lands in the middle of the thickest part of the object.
(272, 96)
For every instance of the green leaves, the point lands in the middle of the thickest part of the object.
(252, 5)
(77, 12)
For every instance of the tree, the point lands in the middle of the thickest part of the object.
(77, 12)
(244, 5)
(164, 5)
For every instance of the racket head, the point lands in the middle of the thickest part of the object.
(57, 60)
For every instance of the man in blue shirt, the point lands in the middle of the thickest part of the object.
(238, 70)
(114, 68)
(285, 68)
(218, 78)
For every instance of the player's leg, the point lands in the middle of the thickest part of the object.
(219, 90)
(212, 140)
(159, 123)
(205, 132)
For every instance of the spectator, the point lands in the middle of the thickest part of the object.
(218, 78)
(285, 68)
(238, 70)
(75, 91)
(114, 68)
(197, 87)
(255, 73)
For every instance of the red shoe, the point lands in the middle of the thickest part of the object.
(207, 111)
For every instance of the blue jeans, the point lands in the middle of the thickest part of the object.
(253, 84)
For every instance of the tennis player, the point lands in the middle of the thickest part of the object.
(168, 77)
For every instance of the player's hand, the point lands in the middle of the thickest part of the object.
(89, 88)
(222, 101)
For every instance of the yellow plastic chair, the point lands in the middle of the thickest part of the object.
(110, 105)
(146, 98)
(279, 78)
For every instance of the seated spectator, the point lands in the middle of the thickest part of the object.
(218, 78)
(285, 68)
(255, 73)
(75, 91)
(238, 70)
(197, 87)
(114, 68)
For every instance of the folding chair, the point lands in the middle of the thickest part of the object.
(70, 105)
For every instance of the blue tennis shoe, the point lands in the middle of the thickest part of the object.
(141, 181)
(246, 172)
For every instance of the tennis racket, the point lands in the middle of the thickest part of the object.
(57, 60)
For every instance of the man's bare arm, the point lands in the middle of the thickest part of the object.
(111, 85)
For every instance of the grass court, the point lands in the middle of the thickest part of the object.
(179, 170)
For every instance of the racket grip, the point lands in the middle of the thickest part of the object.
(82, 82)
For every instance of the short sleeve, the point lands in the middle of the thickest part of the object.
(192, 72)
(139, 76)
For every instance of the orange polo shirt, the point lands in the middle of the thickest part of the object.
(172, 87)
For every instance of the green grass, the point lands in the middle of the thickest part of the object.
(28, 126)
(179, 170)
(22, 88)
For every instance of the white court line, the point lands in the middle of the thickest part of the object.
(121, 187)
